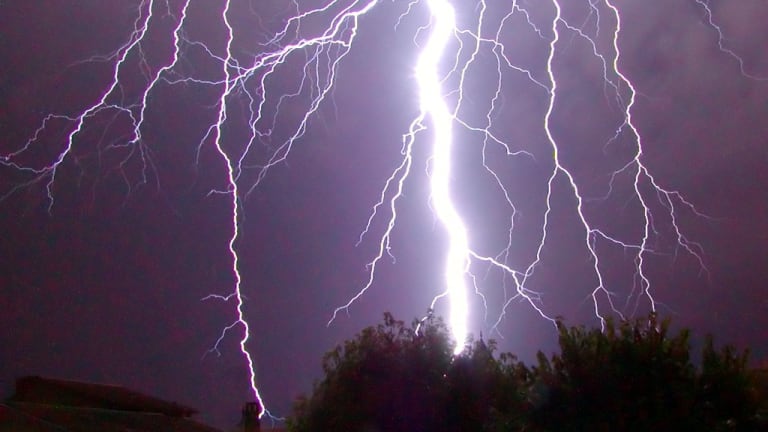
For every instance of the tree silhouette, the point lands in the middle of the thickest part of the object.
(638, 377)
(386, 378)
(392, 378)
(485, 392)
(634, 376)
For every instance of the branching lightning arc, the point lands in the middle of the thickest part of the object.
(448, 55)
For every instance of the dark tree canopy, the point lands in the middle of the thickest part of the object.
(633, 376)
(638, 377)
(393, 378)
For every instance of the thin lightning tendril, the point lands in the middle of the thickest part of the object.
(444, 99)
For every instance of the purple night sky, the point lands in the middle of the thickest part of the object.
(107, 285)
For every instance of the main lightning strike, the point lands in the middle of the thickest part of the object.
(434, 108)
(443, 97)
(432, 104)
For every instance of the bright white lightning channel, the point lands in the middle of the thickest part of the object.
(433, 105)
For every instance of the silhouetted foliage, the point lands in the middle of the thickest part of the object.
(727, 390)
(391, 378)
(633, 376)
(638, 377)
(485, 392)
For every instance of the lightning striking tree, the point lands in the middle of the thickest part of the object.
(293, 67)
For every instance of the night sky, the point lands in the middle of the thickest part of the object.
(104, 283)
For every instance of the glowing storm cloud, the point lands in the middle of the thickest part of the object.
(319, 38)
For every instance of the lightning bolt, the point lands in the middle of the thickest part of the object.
(452, 58)
(432, 104)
